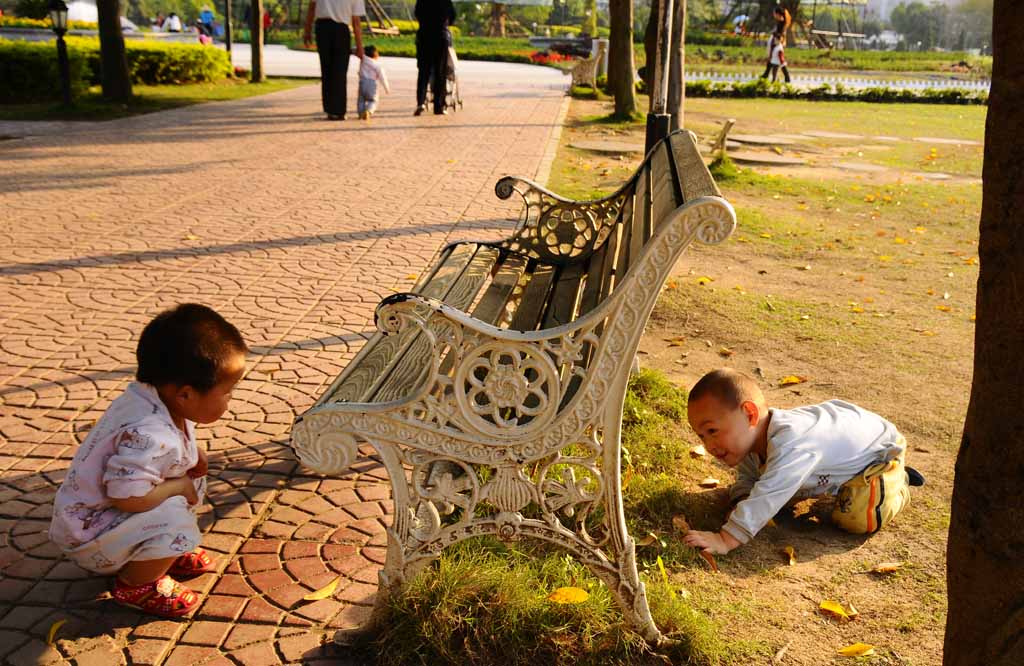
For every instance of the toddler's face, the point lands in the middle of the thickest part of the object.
(727, 434)
(210, 406)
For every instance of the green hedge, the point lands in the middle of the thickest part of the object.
(837, 93)
(29, 73)
(28, 70)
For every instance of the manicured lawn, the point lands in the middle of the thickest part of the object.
(147, 99)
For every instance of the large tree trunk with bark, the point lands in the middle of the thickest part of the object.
(114, 77)
(256, 41)
(621, 65)
(677, 60)
(985, 552)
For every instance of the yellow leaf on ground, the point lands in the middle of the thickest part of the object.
(677, 341)
(703, 280)
(710, 559)
(698, 451)
(52, 633)
(411, 276)
(852, 612)
(664, 576)
(726, 352)
(887, 567)
(671, 285)
(974, 317)
(709, 482)
(857, 650)
(789, 380)
(856, 309)
(191, 237)
(323, 592)
(679, 522)
(766, 235)
(788, 550)
(834, 609)
(943, 308)
(569, 595)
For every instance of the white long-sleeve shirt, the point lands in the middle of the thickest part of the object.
(812, 451)
(371, 69)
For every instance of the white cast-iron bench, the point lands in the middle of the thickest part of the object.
(493, 391)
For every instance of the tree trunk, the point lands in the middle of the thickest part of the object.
(985, 573)
(497, 25)
(621, 65)
(676, 68)
(591, 24)
(256, 41)
(114, 77)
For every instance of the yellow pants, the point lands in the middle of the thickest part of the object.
(868, 501)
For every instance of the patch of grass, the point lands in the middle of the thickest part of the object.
(147, 99)
(486, 603)
(651, 420)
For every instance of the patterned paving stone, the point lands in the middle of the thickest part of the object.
(294, 229)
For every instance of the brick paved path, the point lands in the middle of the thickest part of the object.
(293, 228)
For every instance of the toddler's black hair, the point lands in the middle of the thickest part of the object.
(370, 51)
(187, 345)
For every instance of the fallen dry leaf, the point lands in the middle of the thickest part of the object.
(703, 280)
(726, 352)
(648, 540)
(790, 380)
(671, 285)
(664, 576)
(191, 237)
(679, 522)
(698, 451)
(411, 276)
(833, 609)
(569, 595)
(887, 567)
(323, 592)
(709, 482)
(852, 612)
(677, 341)
(788, 550)
(857, 650)
(710, 559)
(52, 633)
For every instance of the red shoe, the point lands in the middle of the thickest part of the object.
(191, 564)
(164, 597)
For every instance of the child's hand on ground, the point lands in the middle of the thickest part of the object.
(719, 543)
(201, 467)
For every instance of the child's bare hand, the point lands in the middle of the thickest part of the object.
(714, 542)
(187, 489)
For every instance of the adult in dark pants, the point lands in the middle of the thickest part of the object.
(432, 41)
(334, 44)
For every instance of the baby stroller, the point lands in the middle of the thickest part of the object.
(452, 99)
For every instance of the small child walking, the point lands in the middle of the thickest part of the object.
(776, 58)
(782, 455)
(370, 74)
(127, 505)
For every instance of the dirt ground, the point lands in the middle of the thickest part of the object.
(866, 302)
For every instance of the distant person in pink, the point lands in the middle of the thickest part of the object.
(127, 505)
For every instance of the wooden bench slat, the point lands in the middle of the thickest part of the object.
(534, 297)
(562, 304)
(396, 381)
(491, 307)
(693, 175)
(640, 231)
(364, 372)
(663, 186)
(595, 276)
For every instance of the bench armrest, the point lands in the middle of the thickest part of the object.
(555, 229)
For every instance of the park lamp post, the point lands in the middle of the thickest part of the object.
(59, 18)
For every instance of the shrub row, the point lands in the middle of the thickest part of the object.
(28, 70)
(836, 93)
(19, 22)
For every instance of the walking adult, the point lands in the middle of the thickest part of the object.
(432, 41)
(334, 45)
